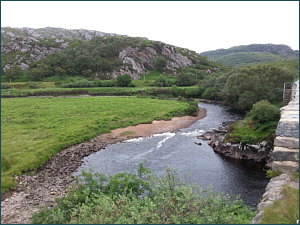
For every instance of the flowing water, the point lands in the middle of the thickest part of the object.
(178, 150)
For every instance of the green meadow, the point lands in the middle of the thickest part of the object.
(33, 129)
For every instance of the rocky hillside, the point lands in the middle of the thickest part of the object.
(50, 32)
(56, 51)
(250, 55)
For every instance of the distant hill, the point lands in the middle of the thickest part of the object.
(250, 55)
(93, 54)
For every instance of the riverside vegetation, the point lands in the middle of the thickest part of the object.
(142, 198)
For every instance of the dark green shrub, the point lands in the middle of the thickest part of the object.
(265, 115)
(14, 73)
(175, 91)
(192, 109)
(192, 92)
(159, 63)
(78, 84)
(106, 83)
(123, 80)
(32, 85)
(161, 82)
(5, 86)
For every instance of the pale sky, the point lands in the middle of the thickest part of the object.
(196, 25)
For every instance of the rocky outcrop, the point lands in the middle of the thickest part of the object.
(51, 32)
(137, 60)
(29, 49)
(259, 153)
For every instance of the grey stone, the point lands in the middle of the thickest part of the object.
(288, 129)
(24, 66)
(287, 142)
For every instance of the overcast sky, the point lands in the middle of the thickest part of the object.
(196, 25)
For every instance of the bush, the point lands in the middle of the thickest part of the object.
(192, 109)
(106, 83)
(143, 199)
(78, 84)
(14, 73)
(265, 115)
(123, 80)
(32, 85)
(175, 91)
(5, 86)
(161, 82)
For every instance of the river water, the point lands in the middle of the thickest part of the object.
(178, 150)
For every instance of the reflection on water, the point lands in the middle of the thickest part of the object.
(179, 151)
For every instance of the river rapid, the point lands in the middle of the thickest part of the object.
(178, 150)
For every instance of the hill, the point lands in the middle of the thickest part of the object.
(250, 55)
(59, 52)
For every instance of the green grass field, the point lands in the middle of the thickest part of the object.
(33, 129)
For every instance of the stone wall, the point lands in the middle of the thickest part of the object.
(285, 153)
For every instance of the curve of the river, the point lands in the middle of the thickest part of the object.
(178, 150)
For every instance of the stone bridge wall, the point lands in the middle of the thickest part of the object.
(286, 144)
(285, 153)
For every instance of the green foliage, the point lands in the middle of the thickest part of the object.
(265, 115)
(193, 108)
(283, 211)
(123, 80)
(5, 86)
(159, 63)
(271, 173)
(175, 91)
(144, 198)
(247, 86)
(14, 73)
(78, 84)
(36, 74)
(106, 83)
(244, 131)
(185, 79)
(161, 82)
(32, 85)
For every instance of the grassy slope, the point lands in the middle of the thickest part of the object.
(33, 129)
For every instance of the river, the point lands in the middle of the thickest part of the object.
(178, 150)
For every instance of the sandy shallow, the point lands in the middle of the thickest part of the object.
(159, 126)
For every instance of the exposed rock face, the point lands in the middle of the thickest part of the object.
(258, 153)
(138, 60)
(30, 50)
(51, 32)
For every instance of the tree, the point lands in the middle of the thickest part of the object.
(14, 72)
(247, 86)
(185, 79)
(159, 63)
(161, 82)
(265, 115)
(123, 80)
(35, 74)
